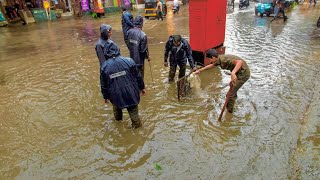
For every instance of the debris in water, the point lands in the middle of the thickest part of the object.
(157, 167)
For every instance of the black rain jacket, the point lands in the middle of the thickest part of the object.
(120, 79)
(178, 55)
(138, 45)
(127, 23)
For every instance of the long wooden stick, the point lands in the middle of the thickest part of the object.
(226, 102)
(151, 75)
(178, 88)
(185, 76)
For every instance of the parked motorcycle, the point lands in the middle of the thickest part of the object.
(175, 9)
(314, 1)
(243, 3)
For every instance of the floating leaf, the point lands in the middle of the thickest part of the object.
(157, 167)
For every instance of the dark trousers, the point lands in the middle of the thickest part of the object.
(172, 72)
(159, 15)
(242, 77)
(133, 113)
(281, 10)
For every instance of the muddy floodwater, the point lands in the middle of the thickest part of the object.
(54, 123)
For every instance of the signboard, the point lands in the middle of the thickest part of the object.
(84, 5)
(46, 4)
(98, 7)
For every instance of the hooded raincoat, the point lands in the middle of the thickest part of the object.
(119, 78)
(127, 23)
(104, 39)
(138, 43)
(178, 55)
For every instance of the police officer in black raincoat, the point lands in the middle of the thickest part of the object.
(105, 34)
(138, 44)
(127, 22)
(121, 83)
(180, 51)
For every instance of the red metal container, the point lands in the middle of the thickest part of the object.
(207, 24)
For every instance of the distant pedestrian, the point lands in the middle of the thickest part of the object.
(10, 12)
(121, 83)
(279, 8)
(138, 44)
(159, 10)
(314, 1)
(98, 8)
(19, 13)
(176, 7)
(240, 72)
(179, 51)
(127, 23)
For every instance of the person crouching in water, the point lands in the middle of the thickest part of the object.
(138, 44)
(180, 52)
(121, 82)
(240, 72)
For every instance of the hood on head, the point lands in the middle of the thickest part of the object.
(104, 30)
(138, 22)
(111, 50)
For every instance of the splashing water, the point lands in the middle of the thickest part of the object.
(195, 84)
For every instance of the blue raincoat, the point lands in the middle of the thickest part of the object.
(104, 39)
(119, 78)
(127, 23)
(138, 44)
(178, 55)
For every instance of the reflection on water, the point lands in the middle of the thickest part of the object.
(54, 123)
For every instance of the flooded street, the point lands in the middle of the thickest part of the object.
(54, 123)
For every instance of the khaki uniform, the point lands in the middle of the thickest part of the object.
(227, 62)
